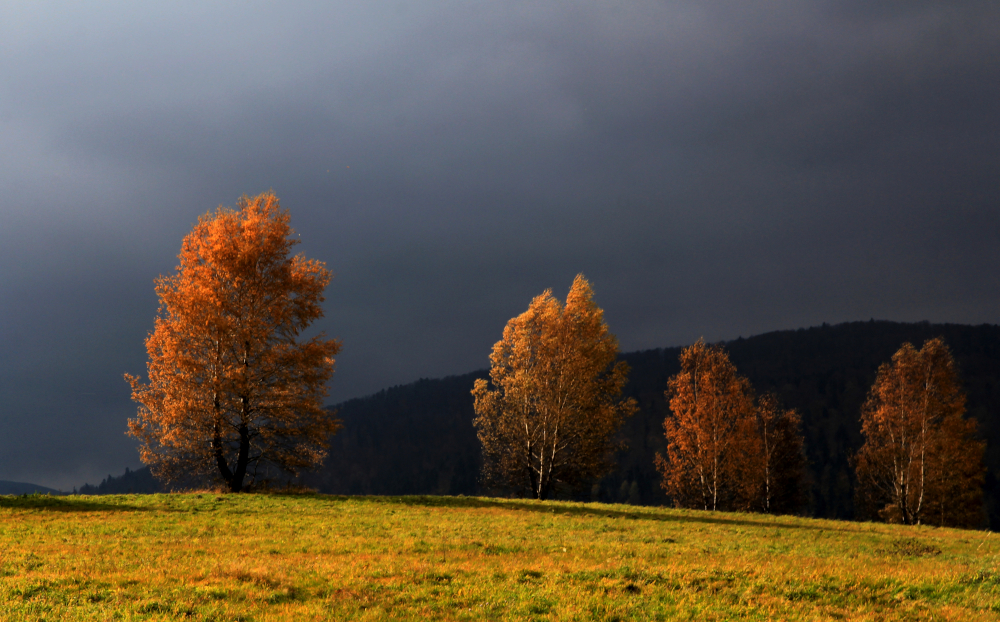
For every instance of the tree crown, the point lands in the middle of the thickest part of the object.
(231, 387)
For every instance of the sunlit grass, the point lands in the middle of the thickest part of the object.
(302, 557)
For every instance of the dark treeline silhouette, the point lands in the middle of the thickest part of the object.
(419, 438)
(24, 488)
(411, 439)
(130, 482)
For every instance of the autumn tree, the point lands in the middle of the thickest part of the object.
(921, 461)
(771, 471)
(726, 450)
(234, 391)
(709, 405)
(552, 406)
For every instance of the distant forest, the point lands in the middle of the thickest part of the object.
(419, 439)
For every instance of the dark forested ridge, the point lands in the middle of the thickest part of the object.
(824, 372)
(130, 482)
(419, 439)
(411, 439)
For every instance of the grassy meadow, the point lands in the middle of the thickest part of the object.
(314, 557)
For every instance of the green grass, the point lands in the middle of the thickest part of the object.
(302, 557)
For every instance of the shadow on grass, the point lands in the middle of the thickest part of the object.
(73, 503)
(642, 513)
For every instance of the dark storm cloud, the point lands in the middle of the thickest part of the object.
(714, 168)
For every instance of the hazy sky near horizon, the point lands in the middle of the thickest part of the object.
(714, 168)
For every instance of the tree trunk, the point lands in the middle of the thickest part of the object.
(241, 460)
(220, 459)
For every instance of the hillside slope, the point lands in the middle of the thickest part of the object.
(317, 557)
(418, 438)
(24, 488)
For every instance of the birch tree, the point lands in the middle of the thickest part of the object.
(709, 407)
(548, 415)
(921, 460)
(726, 450)
(771, 462)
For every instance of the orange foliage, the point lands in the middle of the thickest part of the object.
(723, 451)
(709, 404)
(233, 393)
(554, 405)
(771, 477)
(921, 461)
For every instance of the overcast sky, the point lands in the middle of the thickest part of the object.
(714, 168)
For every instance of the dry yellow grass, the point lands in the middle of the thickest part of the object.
(313, 557)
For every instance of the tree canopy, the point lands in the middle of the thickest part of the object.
(726, 450)
(772, 477)
(234, 393)
(549, 413)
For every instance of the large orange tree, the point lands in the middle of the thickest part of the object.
(549, 413)
(921, 461)
(235, 392)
